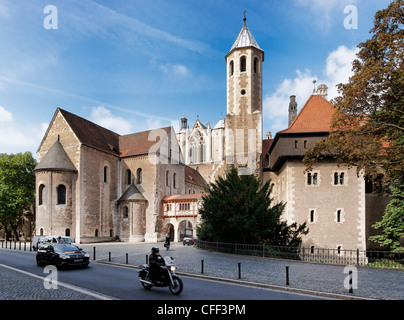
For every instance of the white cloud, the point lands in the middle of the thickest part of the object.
(337, 70)
(103, 117)
(18, 137)
(5, 116)
(177, 69)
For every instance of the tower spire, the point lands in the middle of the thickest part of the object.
(245, 19)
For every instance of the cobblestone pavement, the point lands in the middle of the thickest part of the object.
(372, 283)
(15, 285)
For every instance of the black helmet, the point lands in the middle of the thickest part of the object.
(155, 250)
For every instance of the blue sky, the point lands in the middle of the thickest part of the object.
(133, 65)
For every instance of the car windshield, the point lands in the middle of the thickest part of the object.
(65, 240)
(65, 247)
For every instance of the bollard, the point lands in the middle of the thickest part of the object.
(239, 270)
(147, 259)
(93, 253)
(19, 246)
(287, 275)
(25, 246)
(127, 258)
(350, 282)
(202, 266)
(109, 256)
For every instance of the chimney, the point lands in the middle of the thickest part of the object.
(322, 90)
(292, 109)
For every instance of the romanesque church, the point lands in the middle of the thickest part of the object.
(95, 185)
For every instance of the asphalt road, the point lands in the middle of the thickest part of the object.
(114, 282)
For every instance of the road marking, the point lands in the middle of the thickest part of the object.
(62, 284)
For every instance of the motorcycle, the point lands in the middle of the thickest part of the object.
(167, 277)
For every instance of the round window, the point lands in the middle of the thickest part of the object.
(243, 92)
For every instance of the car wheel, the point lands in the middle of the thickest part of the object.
(38, 262)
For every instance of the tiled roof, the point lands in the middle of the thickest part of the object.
(195, 196)
(194, 177)
(138, 143)
(315, 116)
(266, 144)
(91, 134)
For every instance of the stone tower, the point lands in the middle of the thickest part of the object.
(243, 122)
(292, 109)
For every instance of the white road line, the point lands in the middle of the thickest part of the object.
(62, 284)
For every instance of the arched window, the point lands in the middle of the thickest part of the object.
(243, 64)
(67, 232)
(174, 178)
(61, 192)
(41, 195)
(256, 65)
(168, 178)
(139, 176)
(231, 68)
(128, 177)
(96, 232)
(41, 232)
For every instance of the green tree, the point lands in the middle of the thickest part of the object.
(238, 210)
(367, 129)
(17, 188)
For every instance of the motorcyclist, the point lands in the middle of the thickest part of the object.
(156, 261)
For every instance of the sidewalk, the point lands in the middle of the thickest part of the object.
(372, 283)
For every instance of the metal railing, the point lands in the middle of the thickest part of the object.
(357, 257)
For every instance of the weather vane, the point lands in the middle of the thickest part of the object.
(245, 19)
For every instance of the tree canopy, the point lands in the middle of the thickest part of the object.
(17, 188)
(238, 210)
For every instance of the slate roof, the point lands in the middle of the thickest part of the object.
(56, 159)
(132, 194)
(245, 39)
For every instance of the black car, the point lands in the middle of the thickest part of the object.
(188, 241)
(62, 255)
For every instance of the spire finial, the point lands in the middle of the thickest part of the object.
(245, 19)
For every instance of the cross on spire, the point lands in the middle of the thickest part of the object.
(245, 19)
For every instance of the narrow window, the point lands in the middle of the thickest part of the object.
(256, 62)
(339, 249)
(315, 179)
(312, 249)
(125, 212)
(128, 177)
(231, 68)
(41, 232)
(61, 193)
(243, 64)
(139, 176)
(105, 174)
(96, 232)
(296, 144)
(312, 216)
(168, 178)
(309, 178)
(41, 195)
(174, 178)
(305, 144)
(339, 216)
(335, 178)
(341, 178)
(67, 232)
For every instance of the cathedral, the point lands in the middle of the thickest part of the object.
(95, 185)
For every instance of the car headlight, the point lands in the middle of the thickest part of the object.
(86, 255)
(64, 256)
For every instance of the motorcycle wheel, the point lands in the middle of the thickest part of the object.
(177, 287)
(145, 277)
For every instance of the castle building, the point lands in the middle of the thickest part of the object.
(95, 185)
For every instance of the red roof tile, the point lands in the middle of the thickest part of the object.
(315, 116)
(194, 177)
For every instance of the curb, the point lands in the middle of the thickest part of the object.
(253, 284)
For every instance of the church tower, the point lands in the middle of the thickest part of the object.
(244, 104)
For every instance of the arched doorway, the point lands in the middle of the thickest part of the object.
(169, 229)
(185, 229)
